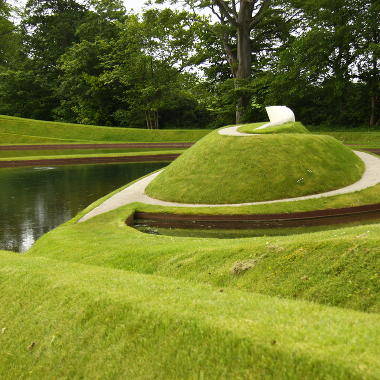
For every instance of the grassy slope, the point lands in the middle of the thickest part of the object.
(62, 156)
(227, 169)
(31, 154)
(358, 198)
(296, 127)
(47, 129)
(333, 267)
(15, 130)
(14, 138)
(360, 138)
(138, 326)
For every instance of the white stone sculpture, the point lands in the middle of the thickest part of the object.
(278, 115)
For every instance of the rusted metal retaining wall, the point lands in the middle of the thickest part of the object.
(258, 221)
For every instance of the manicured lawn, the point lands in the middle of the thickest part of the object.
(337, 267)
(368, 196)
(102, 300)
(371, 139)
(83, 321)
(296, 127)
(77, 153)
(14, 138)
(227, 169)
(62, 156)
(75, 132)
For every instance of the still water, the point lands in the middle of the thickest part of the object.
(35, 200)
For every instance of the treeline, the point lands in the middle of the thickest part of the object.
(92, 62)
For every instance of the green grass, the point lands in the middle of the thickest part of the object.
(296, 127)
(103, 300)
(31, 154)
(359, 198)
(78, 132)
(92, 322)
(227, 169)
(13, 138)
(244, 233)
(340, 265)
(63, 156)
(370, 139)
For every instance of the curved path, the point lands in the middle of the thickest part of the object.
(136, 191)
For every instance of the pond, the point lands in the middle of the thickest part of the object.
(37, 199)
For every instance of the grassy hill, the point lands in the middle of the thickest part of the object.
(67, 320)
(227, 169)
(30, 131)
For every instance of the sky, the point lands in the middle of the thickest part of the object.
(136, 5)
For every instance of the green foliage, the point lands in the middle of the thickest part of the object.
(319, 71)
(94, 63)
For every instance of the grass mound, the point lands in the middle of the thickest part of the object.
(32, 130)
(227, 169)
(292, 127)
(92, 322)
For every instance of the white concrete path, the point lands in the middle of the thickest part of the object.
(136, 191)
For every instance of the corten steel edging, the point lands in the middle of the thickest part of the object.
(94, 146)
(252, 221)
(88, 160)
(372, 150)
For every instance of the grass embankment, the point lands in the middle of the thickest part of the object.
(296, 127)
(64, 156)
(88, 133)
(93, 322)
(64, 153)
(227, 169)
(333, 267)
(370, 139)
(367, 196)
(16, 139)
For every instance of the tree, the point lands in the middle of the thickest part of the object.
(8, 35)
(132, 71)
(239, 19)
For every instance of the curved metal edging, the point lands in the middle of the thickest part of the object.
(253, 221)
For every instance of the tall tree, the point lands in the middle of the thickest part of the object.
(239, 19)
(8, 34)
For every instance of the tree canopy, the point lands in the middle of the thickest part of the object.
(94, 62)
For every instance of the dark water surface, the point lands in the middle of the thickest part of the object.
(35, 200)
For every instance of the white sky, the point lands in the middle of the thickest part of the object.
(135, 5)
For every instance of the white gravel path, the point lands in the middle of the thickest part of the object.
(136, 191)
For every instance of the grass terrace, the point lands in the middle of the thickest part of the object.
(31, 131)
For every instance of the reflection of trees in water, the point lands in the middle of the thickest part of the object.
(33, 201)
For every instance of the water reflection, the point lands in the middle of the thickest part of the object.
(35, 200)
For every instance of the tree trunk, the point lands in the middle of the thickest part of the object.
(243, 73)
(372, 120)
